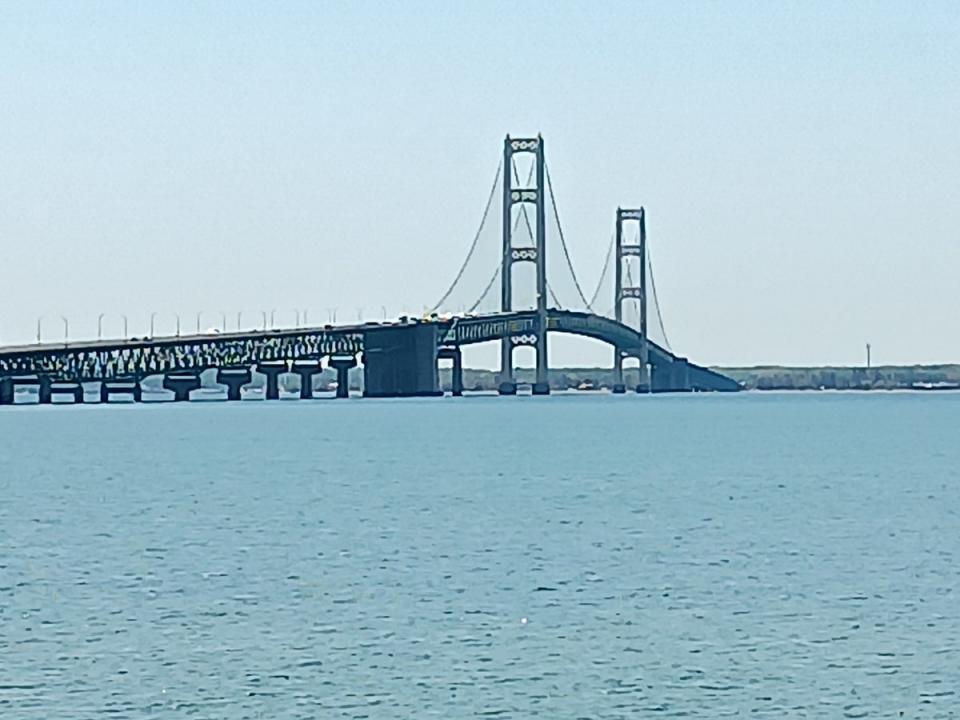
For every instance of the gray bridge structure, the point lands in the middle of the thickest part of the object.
(399, 359)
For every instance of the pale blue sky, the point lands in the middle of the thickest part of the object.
(800, 162)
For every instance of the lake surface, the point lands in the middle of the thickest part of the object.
(566, 557)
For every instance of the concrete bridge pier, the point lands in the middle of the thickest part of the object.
(306, 369)
(619, 387)
(45, 391)
(343, 364)
(234, 379)
(6, 391)
(120, 387)
(401, 361)
(456, 378)
(182, 384)
(49, 387)
(456, 374)
(273, 370)
(675, 377)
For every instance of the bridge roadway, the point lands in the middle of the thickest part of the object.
(399, 358)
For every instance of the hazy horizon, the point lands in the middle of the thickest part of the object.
(799, 164)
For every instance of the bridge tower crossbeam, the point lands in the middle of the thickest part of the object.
(630, 253)
(513, 196)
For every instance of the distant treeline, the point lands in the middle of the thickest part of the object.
(753, 378)
(888, 377)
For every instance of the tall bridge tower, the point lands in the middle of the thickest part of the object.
(631, 259)
(514, 199)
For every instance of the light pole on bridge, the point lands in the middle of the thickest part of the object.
(126, 326)
(223, 321)
(153, 318)
(66, 328)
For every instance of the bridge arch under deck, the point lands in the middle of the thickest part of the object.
(670, 372)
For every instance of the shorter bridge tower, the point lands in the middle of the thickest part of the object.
(517, 196)
(631, 259)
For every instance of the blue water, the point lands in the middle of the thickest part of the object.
(567, 557)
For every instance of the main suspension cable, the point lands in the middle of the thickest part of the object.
(476, 239)
(563, 241)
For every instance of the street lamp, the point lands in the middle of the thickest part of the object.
(126, 325)
(264, 313)
(383, 309)
(273, 322)
(223, 321)
(298, 318)
(66, 329)
(153, 317)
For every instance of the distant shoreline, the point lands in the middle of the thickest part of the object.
(760, 378)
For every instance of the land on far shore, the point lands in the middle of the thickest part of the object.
(763, 377)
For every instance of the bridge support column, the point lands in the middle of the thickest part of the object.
(343, 365)
(273, 371)
(306, 369)
(120, 387)
(644, 386)
(619, 388)
(45, 391)
(456, 378)
(456, 373)
(234, 379)
(48, 387)
(182, 385)
(7, 390)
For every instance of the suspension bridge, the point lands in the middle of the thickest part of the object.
(516, 286)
